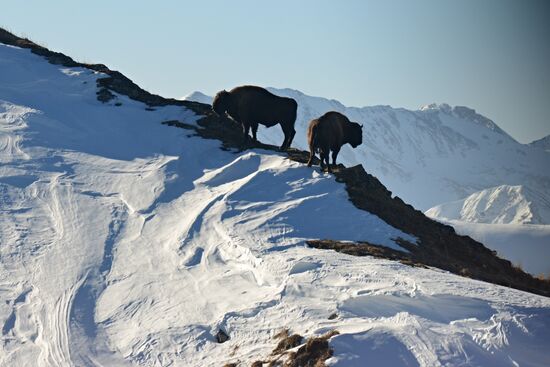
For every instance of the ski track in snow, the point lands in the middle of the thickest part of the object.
(126, 242)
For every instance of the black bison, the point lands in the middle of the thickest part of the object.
(328, 133)
(250, 106)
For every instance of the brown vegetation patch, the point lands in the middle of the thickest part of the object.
(288, 342)
(313, 354)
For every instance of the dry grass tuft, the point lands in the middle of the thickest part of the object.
(313, 354)
(288, 342)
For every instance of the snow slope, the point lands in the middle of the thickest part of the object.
(503, 204)
(431, 156)
(127, 242)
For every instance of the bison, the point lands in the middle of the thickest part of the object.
(328, 133)
(250, 106)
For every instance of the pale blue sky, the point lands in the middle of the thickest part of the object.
(491, 55)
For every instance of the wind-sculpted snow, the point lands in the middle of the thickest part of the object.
(127, 242)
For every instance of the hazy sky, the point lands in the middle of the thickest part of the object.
(491, 55)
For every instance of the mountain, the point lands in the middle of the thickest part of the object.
(543, 143)
(508, 219)
(431, 156)
(524, 244)
(502, 204)
(133, 232)
(198, 97)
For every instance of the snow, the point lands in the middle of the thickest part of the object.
(508, 219)
(502, 204)
(197, 97)
(543, 143)
(128, 242)
(525, 245)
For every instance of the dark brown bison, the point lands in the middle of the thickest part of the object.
(328, 133)
(250, 106)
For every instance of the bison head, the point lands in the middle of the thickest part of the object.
(355, 134)
(221, 102)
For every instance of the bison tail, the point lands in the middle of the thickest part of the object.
(314, 146)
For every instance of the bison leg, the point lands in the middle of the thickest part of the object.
(334, 155)
(289, 135)
(254, 131)
(311, 155)
(328, 163)
(246, 129)
(324, 159)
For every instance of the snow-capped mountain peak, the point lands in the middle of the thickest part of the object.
(197, 96)
(436, 107)
(501, 204)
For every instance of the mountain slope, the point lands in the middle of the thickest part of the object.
(128, 242)
(198, 97)
(543, 143)
(503, 204)
(526, 245)
(431, 156)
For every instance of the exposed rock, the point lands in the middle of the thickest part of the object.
(221, 336)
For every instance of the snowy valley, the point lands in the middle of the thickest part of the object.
(126, 242)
